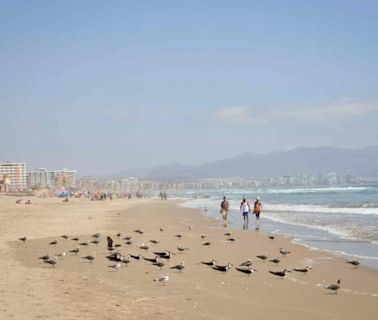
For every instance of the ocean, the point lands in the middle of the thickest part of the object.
(342, 220)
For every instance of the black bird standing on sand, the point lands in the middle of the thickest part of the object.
(127, 238)
(209, 263)
(23, 239)
(90, 257)
(159, 264)
(279, 273)
(154, 241)
(354, 263)
(222, 268)
(75, 239)
(53, 242)
(96, 235)
(275, 260)
(262, 257)
(140, 231)
(45, 257)
(334, 287)
(109, 241)
(304, 270)
(65, 236)
(208, 243)
(179, 267)
(76, 250)
(95, 241)
(52, 261)
(136, 256)
(153, 260)
(284, 252)
(246, 270)
(247, 263)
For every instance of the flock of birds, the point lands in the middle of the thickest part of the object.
(161, 257)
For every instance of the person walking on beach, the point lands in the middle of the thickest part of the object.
(257, 208)
(244, 209)
(224, 208)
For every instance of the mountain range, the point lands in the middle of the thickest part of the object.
(359, 162)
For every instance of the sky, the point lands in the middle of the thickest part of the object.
(103, 86)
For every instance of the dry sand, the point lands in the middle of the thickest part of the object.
(75, 289)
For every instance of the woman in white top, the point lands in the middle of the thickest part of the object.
(244, 209)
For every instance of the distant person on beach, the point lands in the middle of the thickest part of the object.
(257, 208)
(224, 208)
(244, 209)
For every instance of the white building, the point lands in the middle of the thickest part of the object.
(16, 172)
(43, 178)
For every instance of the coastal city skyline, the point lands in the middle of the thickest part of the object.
(137, 84)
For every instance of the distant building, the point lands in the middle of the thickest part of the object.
(4, 183)
(52, 179)
(16, 173)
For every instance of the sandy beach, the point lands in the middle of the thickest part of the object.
(76, 289)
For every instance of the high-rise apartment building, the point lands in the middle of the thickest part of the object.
(43, 178)
(16, 173)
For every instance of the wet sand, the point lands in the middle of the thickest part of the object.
(76, 289)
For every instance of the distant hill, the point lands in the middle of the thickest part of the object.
(363, 162)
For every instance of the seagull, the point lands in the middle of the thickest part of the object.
(129, 242)
(161, 229)
(162, 253)
(154, 241)
(231, 239)
(86, 243)
(95, 241)
(247, 270)
(126, 259)
(334, 287)
(179, 235)
(247, 263)
(109, 241)
(179, 267)
(222, 268)
(140, 231)
(96, 235)
(354, 263)
(179, 248)
(90, 257)
(51, 261)
(116, 256)
(23, 239)
(275, 260)
(154, 260)
(304, 270)
(45, 257)
(228, 234)
(53, 242)
(206, 243)
(63, 254)
(167, 256)
(144, 246)
(118, 234)
(209, 263)
(284, 252)
(117, 266)
(262, 257)
(191, 227)
(127, 238)
(117, 245)
(279, 273)
(203, 236)
(272, 237)
(76, 250)
(64, 236)
(136, 257)
(162, 279)
(159, 263)
(75, 239)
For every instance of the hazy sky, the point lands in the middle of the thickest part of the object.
(101, 86)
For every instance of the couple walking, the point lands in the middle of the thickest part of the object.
(245, 209)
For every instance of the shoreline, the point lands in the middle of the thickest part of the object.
(310, 237)
(76, 289)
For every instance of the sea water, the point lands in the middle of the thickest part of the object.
(343, 220)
